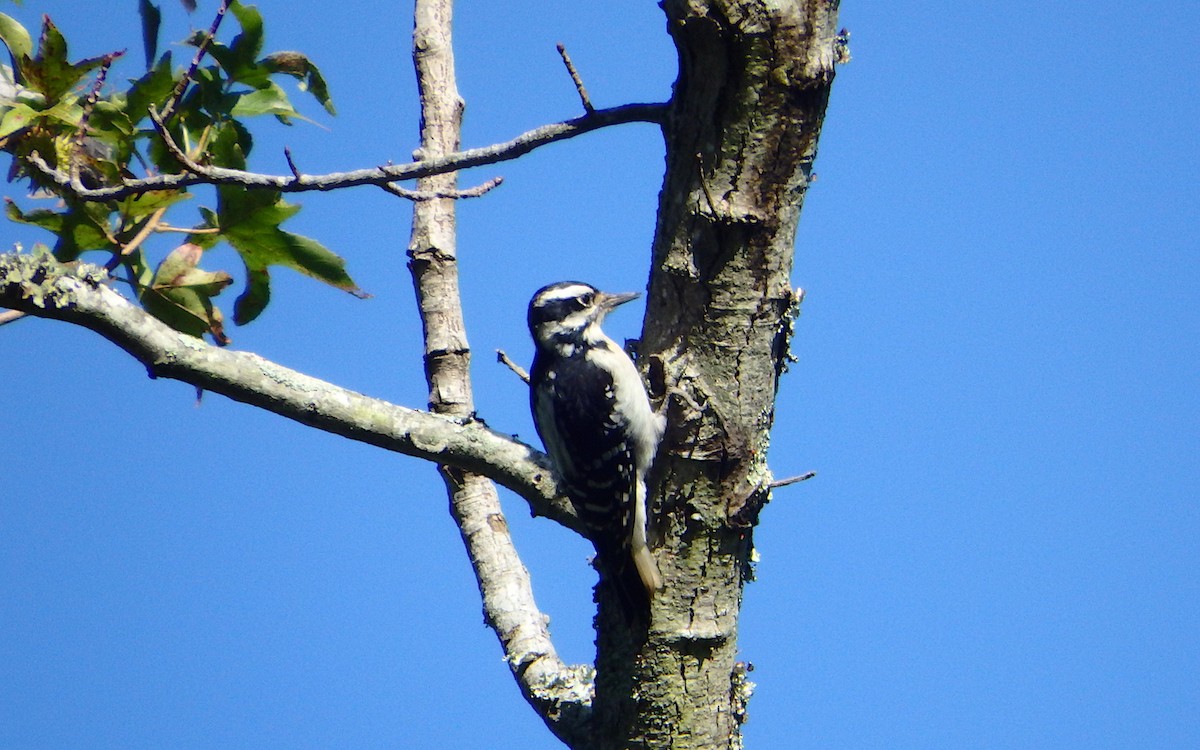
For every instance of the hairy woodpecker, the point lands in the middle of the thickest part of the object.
(593, 415)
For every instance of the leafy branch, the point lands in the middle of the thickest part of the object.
(296, 182)
(123, 163)
(68, 137)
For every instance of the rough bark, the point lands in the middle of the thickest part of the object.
(558, 692)
(741, 134)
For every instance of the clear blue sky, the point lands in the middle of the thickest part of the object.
(997, 385)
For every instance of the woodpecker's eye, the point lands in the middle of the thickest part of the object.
(585, 300)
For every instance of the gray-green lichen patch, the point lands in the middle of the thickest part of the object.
(42, 280)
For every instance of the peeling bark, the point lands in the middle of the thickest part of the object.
(741, 137)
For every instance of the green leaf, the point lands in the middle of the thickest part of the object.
(294, 251)
(253, 300)
(229, 144)
(235, 68)
(238, 58)
(49, 72)
(249, 220)
(252, 210)
(152, 88)
(17, 118)
(68, 112)
(139, 206)
(80, 229)
(16, 38)
(180, 294)
(151, 20)
(298, 66)
(247, 46)
(206, 239)
(208, 94)
(269, 100)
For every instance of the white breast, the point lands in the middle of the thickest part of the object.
(643, 425)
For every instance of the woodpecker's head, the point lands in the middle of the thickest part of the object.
(567, 315)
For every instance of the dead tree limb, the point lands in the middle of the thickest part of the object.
(198, 174)
(561, 694)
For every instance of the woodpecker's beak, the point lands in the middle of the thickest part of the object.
(607, 301)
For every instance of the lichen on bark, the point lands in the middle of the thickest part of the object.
(741, 134)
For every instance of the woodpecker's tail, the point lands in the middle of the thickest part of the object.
(634, 579)
(647, 569)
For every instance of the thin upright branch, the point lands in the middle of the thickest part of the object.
(201, 51)
(89, 105)
(560, 694)
(579, 87)
(200, 174)
(89, 102)
(287, 154)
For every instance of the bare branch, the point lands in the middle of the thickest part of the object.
(287, 154)
(503, 358)
(559, 693)
(9, 316)
(198, 174)
(201, 51)
(583, 94)
(149, 227)
(89, 104)
(792, 480)
(429, 195)
(40, 286)
(173, 148)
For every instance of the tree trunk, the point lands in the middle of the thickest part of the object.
(741, 132)
(741, 135)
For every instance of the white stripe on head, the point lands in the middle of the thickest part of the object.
(567, 290)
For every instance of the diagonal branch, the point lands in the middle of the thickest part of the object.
(561, 694)
(201, 50)
(40, 286)
(199, 174)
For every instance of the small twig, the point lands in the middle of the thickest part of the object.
(583, 94)
(287, 154)
(77, 152)
(163, 228)
(791, 480)
(9, 316)
(503, 359)
(180, 155)
(201, 51)
(429, 195)
(150, 225)
(89, 102)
